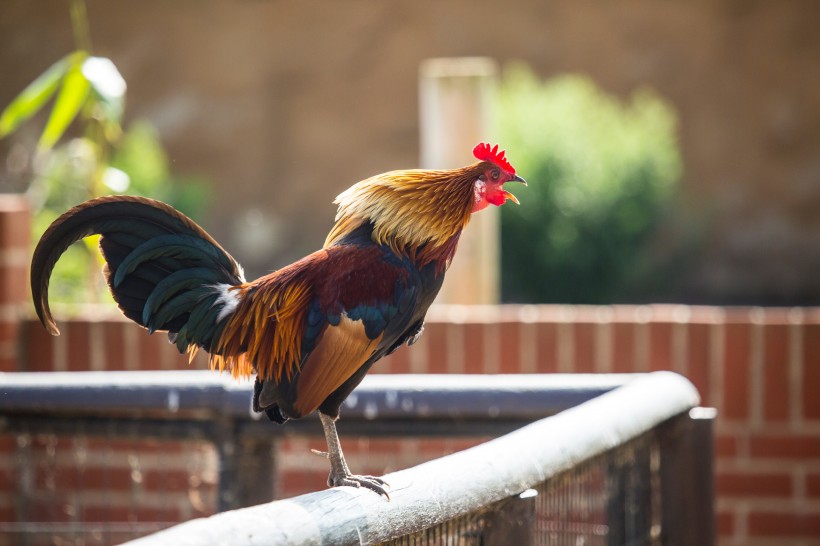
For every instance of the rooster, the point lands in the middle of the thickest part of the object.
(311, 330)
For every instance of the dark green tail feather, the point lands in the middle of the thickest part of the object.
(171, 268)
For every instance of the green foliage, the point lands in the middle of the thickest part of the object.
(141, 157)
(601, 175)
(90, 91)
(85, 86)
(34, 96)
(137, 166)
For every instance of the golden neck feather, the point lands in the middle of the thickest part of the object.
(409, 209)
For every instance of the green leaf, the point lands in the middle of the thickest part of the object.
(107, 85)
(71, 98)
(34, 96)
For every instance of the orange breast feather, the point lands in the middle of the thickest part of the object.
(340, 351)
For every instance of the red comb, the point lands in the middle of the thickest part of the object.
(483, 152)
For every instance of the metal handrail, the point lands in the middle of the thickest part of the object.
(517, 397)
(439, 490)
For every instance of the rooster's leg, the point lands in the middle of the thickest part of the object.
(339, 472)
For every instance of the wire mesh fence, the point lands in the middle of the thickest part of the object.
(102, 475)
(110, 484)
(612, 499)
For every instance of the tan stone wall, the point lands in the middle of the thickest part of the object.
(284, 104)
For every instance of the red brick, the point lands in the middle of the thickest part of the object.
(9, 364)
(131, 513)
(623, 347)
(179, 361)
(698, 354)
(460, 444)
(785, 447)
(113, 479)
(811, 371)
(13, 284)
(297, 482)
(9, 331)
(725, 523)
(473, 347)
(510, 347)
(171, 479)
(776, 367)
(38, 348)
(150, 351)
(168, 357)
(740, 484)
(736, 371)
(786, 524)
(95, 478)
(300, 446)
(8, 443)
(147, 446)
(737, 315)
(364, 445)
(493, 357)
(385, 365)
(79, 351)
(8, 479)
(54, 510)
(660, 346)
(813, 485)
(776, 315)
(15, 221)
(400, 360)
(584, 346)
(725, 446)
(547, 335)
(811, 315)
(114, 344)
(436, 348)
(434, 447)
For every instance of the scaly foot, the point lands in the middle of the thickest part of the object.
(345, 477)
(339, 472)
(373, 483)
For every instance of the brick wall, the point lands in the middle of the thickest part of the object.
(15, 222)
(759, 367)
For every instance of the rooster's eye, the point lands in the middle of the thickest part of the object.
(494, 174)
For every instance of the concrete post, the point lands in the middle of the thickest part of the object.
(455, 106)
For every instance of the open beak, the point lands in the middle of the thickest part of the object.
(510, 196)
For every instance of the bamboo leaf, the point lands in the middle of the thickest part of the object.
(108, 86)
(34, 96)
(71, 98)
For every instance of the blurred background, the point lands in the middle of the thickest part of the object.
(672, 151)
(672, 148)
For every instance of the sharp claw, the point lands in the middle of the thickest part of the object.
(377, 485)
(324, 454)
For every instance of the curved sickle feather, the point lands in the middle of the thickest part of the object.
(98, 216)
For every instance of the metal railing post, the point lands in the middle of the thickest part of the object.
(616, 504)
(226, 443)
(256, 471)
(512, 522)
(687, 479)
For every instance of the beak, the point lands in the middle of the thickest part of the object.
(510, 196)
